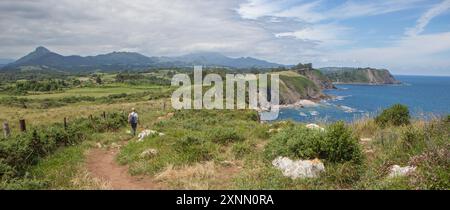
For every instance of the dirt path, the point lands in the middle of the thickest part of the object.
(102, 164)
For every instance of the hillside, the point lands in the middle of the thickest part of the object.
(320, 79)
(359, 76)
(116, 61)
(295, 87)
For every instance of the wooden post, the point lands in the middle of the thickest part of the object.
(90, 117)
(65, 123)
(164, 108)
(104, 115)
(22, 125)
(6, 130)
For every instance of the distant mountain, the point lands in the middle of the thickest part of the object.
(43, 57)
(347, 75)
(5, 61)
(217, 59)
(112, 61)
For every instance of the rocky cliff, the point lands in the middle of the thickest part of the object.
(359, 76)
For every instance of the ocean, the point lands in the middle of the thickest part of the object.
(425, 96)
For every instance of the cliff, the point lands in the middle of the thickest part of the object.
(359, 76)
(295, 87)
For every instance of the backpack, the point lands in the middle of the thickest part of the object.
(133, 118)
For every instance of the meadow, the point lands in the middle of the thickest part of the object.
(208, 149)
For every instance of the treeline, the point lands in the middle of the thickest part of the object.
(41, 86)
(136, 78)
(59, 102)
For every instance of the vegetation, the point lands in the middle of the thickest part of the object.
(19, 152)
(207, 149)
(397, 115)
(336, 144)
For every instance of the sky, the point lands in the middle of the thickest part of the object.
(404, 36)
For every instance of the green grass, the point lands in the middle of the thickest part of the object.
(95, 91)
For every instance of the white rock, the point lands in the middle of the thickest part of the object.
(300, 168)
(315, 127)
(149, 153)
(397, 171)
(115, 146)
(147, 133)
(273, 130)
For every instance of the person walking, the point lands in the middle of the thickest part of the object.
(133, 119)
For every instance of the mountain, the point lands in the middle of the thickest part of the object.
(42, 57)
(5, 61)
(113, 61)
(217, 59)
(347, 75)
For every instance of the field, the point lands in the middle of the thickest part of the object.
(203, 149)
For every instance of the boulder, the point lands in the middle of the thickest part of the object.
(149, 153)
(299, 168)
(315, 127)
(147, 133)
(397, 171)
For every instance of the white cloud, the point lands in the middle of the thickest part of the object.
(323, 33)
(316, 11)
(418, 54)
(423, 21)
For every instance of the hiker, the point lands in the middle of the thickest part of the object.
(133, 119)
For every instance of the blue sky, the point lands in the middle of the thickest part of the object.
(404, 36)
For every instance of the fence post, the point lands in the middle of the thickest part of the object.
(164, 108)
(22, 125)
(90, 117)
(104, 115)
(65, 123)
(6, 130)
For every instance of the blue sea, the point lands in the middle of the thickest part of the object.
(424, 95)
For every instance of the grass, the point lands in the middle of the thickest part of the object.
(95, 91)
(227, 149)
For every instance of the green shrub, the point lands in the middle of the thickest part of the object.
(241, 149)
(193, 149)
(225, 135)
(340, 145)
(295, 142)
(396, 115)
(335, 145)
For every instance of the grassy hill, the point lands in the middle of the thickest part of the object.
(295, 87)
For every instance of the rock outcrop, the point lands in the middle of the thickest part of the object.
(359, 76)
(300, 168)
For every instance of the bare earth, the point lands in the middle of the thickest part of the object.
(101, 164)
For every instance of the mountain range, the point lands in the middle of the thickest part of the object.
(42, 57)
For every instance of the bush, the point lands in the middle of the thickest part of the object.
(241, 149)
(295, 142)
(397, 115)
(17, 153)
(225, 135)
(193, 149)
(340, 145)
(335, 145)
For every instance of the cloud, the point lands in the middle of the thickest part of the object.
(423, 21)
(284, 31)
(419, 54)
(318, 10)
(151, 27)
